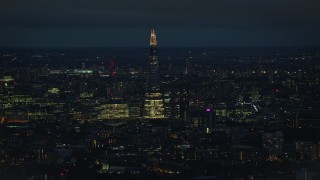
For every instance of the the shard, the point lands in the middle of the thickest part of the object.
(153, 103)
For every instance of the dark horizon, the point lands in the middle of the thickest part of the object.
(167, 43)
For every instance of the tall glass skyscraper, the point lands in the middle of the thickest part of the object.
(153, 104)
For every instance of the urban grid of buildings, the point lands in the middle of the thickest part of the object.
(203, 113)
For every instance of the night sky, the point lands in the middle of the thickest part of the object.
(126, 23)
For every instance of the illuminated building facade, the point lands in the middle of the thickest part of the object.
(113, 111)
(153, 104)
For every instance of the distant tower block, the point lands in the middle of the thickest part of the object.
(112, 67)
(112, 74)
(153, 103)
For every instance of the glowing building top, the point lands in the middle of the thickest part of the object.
(153, 38)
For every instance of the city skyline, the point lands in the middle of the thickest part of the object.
(223, 113)
(150, 89)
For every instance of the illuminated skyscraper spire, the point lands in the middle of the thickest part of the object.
(153, 38)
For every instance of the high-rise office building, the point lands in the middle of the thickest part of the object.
(153, 103)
